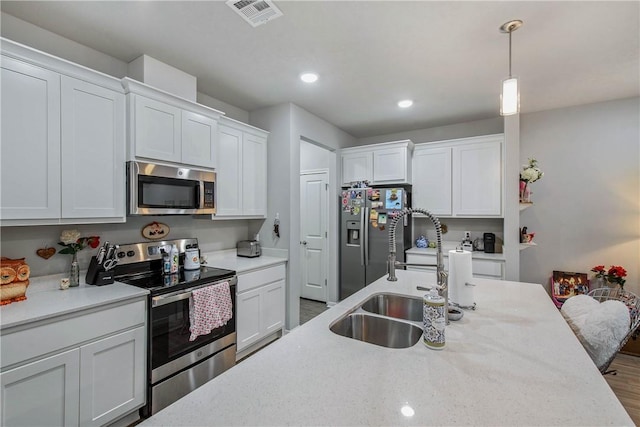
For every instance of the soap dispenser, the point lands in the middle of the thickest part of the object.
(434, 320)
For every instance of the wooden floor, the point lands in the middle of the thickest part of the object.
(310, 309)
(626, 383)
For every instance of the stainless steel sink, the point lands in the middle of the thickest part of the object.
(377, 330)
(398, 306)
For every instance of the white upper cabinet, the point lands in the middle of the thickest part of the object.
(432, 179)
(386, 163)
(168, 128)
(241, 179)
(63, 141)
(357, 167)
(93, 129)
(30, 141)
(462, 177)
(199, 137)
(477, 178)
(156, 129)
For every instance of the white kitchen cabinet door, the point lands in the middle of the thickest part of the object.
(229, 172)
(30, 174)
(477, 179)
(357, 167)
(42, 393)
(390, 166)
(248, 318)
(112, 377)
(93, 150)
(432, 180)
(157, 130)
(254, 175)
(199, 137)
(272, 307)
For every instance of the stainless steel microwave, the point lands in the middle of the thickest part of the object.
(155, 189)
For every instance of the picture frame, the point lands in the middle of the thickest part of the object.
(565, 285)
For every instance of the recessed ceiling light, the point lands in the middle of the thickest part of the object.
(309, 77)
(405, 103)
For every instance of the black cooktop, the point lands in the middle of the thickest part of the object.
(158, 283)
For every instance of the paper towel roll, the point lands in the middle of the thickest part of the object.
(459, 276)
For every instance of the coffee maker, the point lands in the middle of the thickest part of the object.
(489, 243)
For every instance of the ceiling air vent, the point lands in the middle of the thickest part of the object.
(255, 12)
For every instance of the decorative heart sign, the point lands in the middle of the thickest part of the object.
(46, 253)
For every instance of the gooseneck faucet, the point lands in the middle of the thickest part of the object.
(441, 275)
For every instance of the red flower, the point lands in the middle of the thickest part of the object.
(599, 269)
(93, 241)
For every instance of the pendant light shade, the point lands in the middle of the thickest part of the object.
(510, 95)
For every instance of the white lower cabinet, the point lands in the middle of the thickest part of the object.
(111, 370)
(484, 268)
(260, 310)
(92, 378)
(42, 393)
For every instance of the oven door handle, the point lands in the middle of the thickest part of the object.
(184, 294)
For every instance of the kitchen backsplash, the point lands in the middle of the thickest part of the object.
(19, 242)
(457, 226)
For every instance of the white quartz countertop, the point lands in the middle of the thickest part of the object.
(450, 247)
(513, 361)
(230, 260)
(46, 300)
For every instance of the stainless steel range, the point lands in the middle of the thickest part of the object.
(176, 366)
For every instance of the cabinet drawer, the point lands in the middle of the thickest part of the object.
(260, 277)
(483, 267)
(29, 343)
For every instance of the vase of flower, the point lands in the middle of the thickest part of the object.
(530, 173)
(614, 277)
(73, 243)
(74, 271)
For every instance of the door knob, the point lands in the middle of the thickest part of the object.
(304, 242)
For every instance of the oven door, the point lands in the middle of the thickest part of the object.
(171, 350)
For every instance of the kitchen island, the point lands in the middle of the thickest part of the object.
(513, 361)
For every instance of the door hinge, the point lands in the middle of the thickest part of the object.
(325, 282)
(326, 187)
(325, 235)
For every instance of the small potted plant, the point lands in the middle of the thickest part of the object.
(530, 173)
(615, 275)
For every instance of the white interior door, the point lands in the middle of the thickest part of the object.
(314, 193)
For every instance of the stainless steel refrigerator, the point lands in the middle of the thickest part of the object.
(365, 214)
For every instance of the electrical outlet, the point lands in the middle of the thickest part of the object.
(467, 235)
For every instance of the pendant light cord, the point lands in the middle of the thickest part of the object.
(510, 31)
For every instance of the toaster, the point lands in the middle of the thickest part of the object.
(249, 248)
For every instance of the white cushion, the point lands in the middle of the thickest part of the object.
(600, 327)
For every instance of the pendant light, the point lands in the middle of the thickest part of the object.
(510, 96)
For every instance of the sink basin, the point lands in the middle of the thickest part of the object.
(398, 306)
(377, 330)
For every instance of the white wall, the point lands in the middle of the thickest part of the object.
(459, 130)
(288, 124)
(19, 242)
(587, 206)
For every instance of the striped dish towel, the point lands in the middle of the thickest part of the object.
(209, 308)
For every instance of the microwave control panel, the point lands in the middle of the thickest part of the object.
(208, 194)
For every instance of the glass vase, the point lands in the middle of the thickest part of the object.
(599, 282)
(74, 272)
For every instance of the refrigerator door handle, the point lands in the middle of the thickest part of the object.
(365, 242)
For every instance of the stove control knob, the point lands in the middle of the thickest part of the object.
(130, 253)
(120, 254)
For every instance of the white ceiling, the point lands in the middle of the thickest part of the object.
(449, 57)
